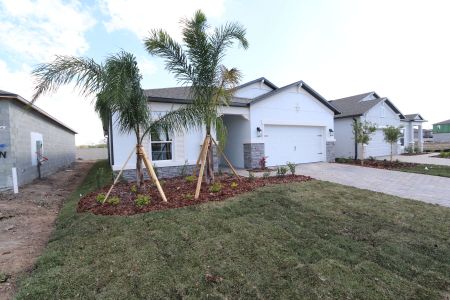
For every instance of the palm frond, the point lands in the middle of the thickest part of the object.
(161, 44)
(84, 72)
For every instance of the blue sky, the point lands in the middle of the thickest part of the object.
(400, 49)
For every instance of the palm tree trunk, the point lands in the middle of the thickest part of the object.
(392, 152)
(139, 168)
(210, 163)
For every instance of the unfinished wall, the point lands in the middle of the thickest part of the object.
(26, 125)
(6, 158)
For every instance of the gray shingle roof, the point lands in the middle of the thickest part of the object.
(182, 95)
(353, 106)
(412, 117)
(443, 122)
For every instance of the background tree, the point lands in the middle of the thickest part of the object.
(198, 63)
(391, 135)
(116, 85)
(363, 131)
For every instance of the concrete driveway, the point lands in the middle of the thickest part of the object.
(426, 188)
(421, 159)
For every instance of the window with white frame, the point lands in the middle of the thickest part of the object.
(161, 146)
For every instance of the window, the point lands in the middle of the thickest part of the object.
(161, 146)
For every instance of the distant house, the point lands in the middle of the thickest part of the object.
(291, 123)
(379, 111)
(441, 132)
(28, 137)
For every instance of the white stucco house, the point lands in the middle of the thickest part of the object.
(379, 111)
(292, 123)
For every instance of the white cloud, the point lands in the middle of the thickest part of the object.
(37, 30)
(142, 16)
(146, 66)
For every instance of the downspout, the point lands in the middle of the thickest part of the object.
(356, 143)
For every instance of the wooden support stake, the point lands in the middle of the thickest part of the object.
(118, 175)
(202, 167)
(151, 172)
(226, 159)
(199, 157)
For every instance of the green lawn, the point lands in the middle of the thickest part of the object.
(309, 240)
(435, 170)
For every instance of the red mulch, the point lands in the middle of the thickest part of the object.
(179, 193)
(381, 164)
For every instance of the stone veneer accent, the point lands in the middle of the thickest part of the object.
(168, 172)
(331, 151)
(253, 152)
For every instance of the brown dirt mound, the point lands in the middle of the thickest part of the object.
(179, 193)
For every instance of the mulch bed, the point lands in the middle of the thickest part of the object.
(179, 193)
(380, 164)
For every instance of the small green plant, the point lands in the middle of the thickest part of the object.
(266, 175)
(113, 200)
(291, 167)
(142, 200)
(190, 178)
(251, 175)
(234, 185)
(133, 189)
(281, 171)
(188, 196)
(100, 198)
(215, 187)
(444, 154)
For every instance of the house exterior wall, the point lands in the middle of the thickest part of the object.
(238, 134)
(253, 90)
(345, 141)
(293, 106)
(25, 125)
(6, 157)
(186, 146)
(441, 137)
(441, 128)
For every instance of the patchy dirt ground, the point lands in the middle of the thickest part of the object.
(27, 220)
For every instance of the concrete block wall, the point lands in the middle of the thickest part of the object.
(58, 143)
(5, 163)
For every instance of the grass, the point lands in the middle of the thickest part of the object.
(435, 170)
(309, 240)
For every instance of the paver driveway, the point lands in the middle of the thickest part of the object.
(431, 189)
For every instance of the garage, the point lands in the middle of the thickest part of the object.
(377, 145)
(298, 144)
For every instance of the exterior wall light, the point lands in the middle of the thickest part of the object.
(258, 132)
(331, 132)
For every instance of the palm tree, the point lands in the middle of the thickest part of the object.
(116, 85)
(198, 63)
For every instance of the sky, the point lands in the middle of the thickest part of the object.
(397, 48)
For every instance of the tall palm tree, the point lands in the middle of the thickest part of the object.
(116, 85)
(198, 63)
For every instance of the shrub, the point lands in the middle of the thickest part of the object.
(100, 198)
(142, 200)
(291, 167)
(190, 178)
(251, 175)
(234, 185)
(113, 200)
(444, 154)
(266, 175)
(262, 162)
(215, 187)
(188, 196)
(133, 189)
(281, 171)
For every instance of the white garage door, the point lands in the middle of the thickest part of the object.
(298, 144)
(377, 146)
